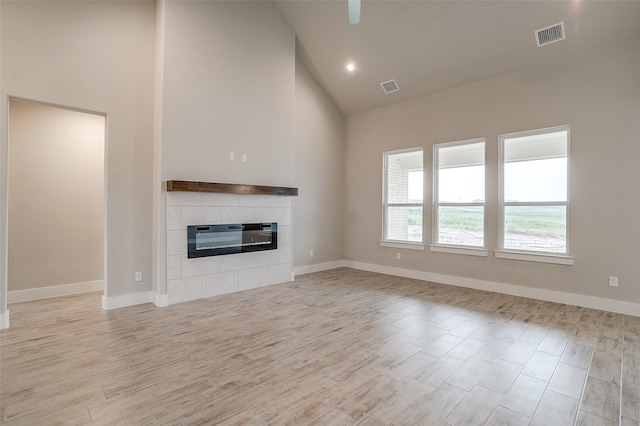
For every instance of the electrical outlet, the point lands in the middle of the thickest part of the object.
(397, 256)
(232, 156)
(139, 276)
(244, 158)
(310, 253)
(613, 281)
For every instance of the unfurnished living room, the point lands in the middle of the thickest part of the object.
(332, 212)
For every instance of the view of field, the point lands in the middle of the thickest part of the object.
(538, 228)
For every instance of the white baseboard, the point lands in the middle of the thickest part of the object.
(319, 267)
(160, 300)
(115, 302)
(54, 291)
(4, 320)
(610, 305)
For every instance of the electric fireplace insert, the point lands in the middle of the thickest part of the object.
(216, 240)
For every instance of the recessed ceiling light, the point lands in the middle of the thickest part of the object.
(351, 67)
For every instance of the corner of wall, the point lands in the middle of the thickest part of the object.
(4, 320)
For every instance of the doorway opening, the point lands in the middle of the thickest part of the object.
(56, 201)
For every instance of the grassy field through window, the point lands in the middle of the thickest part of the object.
(537, 228)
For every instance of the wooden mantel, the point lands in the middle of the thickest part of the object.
(229, 188)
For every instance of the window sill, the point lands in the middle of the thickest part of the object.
(558, 259)
(402, 245)
(469, 251)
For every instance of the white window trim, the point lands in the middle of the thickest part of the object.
(531, 256)
(411, 245)
(455, 248)
(408, 245)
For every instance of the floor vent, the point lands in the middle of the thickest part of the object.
(550, 34)
(390, 86)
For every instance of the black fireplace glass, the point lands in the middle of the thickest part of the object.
(216, 240)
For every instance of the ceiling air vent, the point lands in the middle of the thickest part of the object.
(550, 34)
(390, 86)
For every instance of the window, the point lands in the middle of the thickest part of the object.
(459, 193)
(403, 196)
(534, 191)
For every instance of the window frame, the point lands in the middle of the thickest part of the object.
(532, 255)
(457, 248)
(387, 242)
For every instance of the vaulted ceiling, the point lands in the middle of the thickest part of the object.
(429, 46)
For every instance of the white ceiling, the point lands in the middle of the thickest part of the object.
(429, 46)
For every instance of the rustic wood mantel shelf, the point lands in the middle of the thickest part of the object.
(229, 188)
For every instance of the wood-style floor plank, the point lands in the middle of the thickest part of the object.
(340, 347)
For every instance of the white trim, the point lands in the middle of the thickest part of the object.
(385, 184)
(501, 201)
(4, 320)
(402, 245)
(610, 305)
(54, 291)
(319, 267)
(558, 259)
(469, 251)
(160, 300)
(116, 302)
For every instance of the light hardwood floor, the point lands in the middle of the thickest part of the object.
(340, 347)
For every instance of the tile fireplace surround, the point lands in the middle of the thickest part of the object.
(191, 279)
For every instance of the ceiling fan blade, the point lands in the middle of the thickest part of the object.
(354, 12)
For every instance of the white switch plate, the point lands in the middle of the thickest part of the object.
(244, 158)
(613, 281)
(310, 253)
(139, 276)
(232, 156)
(398, 256)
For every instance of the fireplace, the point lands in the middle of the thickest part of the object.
(216, 240)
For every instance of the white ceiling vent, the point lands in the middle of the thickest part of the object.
(390, 86)
(550, 34)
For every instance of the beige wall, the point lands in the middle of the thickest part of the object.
(226, 84)
(229, 81)
(56, 196)
(597, 95)
(319, 174)
(95, 56)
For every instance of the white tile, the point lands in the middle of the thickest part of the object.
(199, 216)
(217, 284)
(237, 215)
(184, 290)
(236, 262)
(281, 215)
(284, 235)
(176, 242)
(264, 200)
(180, 198)
(253, 278)
(173, 218)
(219, 200)
(174, 267)
(200, 266)
(262, 258)
(282, 255)
(280, 273)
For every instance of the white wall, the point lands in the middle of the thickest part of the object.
(56, 192)
(94, 56)
(597, 95)
(319, 174)
(229, 86)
